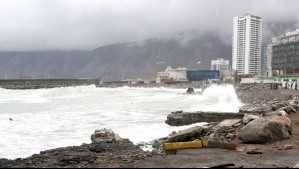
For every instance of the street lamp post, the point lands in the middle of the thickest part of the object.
(42, 75)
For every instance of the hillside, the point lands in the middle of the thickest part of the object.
(114, 62)
(125, 60)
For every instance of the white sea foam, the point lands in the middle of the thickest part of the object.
(50, 118)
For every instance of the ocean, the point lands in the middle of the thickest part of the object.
(40, 119)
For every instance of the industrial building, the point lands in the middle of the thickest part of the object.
(284, 51)
(247, 41)
(221, 65)
(200, 75)
(184, 75)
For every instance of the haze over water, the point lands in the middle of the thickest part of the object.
(50, 118)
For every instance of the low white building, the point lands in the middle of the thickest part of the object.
(170, 74)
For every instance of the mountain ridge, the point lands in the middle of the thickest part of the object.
(128, 60)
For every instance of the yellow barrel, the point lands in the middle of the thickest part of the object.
(205, 143)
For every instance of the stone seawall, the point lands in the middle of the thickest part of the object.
(45, 83)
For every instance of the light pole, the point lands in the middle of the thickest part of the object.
(15, 74)
(42, 75)
(77, 73)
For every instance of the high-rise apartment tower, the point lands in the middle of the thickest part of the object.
(247, 41)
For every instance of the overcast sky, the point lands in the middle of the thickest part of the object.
(88, 24)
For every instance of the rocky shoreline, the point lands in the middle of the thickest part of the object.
(269, 129)
(106, 150)
(275, 109)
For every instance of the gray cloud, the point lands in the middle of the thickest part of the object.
(87, 24)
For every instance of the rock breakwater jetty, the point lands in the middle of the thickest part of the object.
(45, 83)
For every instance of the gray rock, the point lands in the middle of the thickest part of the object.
(284, 120)
(248, 118)
(288, 147)
(237, 124)
(290, 109)
(286, 103)
(280, 112)
(230, 136)
(295, 106)
(227, 123)
(103, 135)
(278, 106)
(267, 129)
(295, 101)
(158, 143)
(212, 136)
(188, 134)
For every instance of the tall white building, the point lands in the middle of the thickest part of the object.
(221, 65)
(247, 42)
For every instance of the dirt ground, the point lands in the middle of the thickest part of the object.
(271, 155)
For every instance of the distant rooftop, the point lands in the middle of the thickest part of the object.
(179, 68)
(254, 16)
(289, 37)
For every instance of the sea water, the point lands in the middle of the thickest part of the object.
(40, 119)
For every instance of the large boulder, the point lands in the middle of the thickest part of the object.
(266, 129)
(284, 120)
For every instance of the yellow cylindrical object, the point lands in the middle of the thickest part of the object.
(205, 143)
(182, 145)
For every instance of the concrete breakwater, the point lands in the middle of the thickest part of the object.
(181, 85)
(180, 118)
(45, 83)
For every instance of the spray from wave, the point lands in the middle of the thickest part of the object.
(218, 98)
